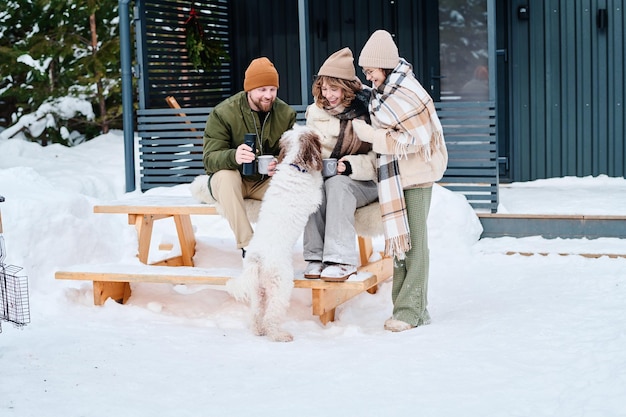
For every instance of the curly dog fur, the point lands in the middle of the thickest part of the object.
(294, 193)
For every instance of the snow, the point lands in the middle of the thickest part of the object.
(40, 66)
(512, 335)
(62, 107)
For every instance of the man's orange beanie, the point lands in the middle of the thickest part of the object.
(260, 73)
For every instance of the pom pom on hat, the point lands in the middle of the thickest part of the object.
(339, 65)
(260, 73)
(380, 51)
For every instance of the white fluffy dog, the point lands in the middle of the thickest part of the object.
(294, 193)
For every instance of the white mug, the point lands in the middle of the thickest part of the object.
(329, 167)
(263, 163)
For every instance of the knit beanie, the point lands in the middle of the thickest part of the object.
(380, 51)
(260, 73)
(339, 65)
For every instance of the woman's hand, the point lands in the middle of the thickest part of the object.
(344, 167)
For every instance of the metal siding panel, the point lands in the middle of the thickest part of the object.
(574, 90)
(520, 92)
(347, 23)
(585, 134)
(288, 56)
(617, 22)
(538, 16)
(409, 18)
(610, 71)
(569, 92)
(616, 134)
(553, 88)
(318, 30)
(580, 104)
(599, 52)
(270, 29)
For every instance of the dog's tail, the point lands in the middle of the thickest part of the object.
(245, 285)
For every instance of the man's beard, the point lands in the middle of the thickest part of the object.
(262, 106)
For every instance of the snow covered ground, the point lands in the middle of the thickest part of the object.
(511, 335)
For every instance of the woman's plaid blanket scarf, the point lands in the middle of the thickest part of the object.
(403, 105)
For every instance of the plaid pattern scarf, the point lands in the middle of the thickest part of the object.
(401, 105)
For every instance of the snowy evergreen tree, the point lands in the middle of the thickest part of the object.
(59, 48)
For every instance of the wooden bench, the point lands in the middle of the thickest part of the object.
(113, 280)
(171, 140)
(170, 144)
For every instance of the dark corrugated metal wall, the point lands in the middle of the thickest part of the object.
(347, 23)
(567, 88)
(267, 28)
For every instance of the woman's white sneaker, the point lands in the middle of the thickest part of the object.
(394, 325)
(313, 270)
(337, 272)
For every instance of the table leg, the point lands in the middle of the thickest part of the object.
(144, 225)
(118, 291)
(186, 238)
(365, 249)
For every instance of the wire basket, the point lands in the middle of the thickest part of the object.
(14, 306)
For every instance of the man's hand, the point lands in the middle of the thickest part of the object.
(271, 167)
(367, 133)
(244, 154)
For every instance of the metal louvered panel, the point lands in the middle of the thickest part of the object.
(163, 57)
(470, 132)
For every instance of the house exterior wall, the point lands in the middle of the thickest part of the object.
(566, 73)
(559, 74)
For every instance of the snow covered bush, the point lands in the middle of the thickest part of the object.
(56, 51)
(52, 122)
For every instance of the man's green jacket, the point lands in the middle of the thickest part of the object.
(230, 120)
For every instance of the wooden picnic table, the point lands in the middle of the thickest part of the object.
(113, 280)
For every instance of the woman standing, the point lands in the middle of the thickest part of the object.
(407, 135)
(329, 236)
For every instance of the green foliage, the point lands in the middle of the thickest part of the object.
(46, 52)
(204, 51)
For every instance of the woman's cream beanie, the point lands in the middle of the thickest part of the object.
(339, 65)
(380, 51)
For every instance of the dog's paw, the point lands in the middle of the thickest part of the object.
(257, 326)
(280, 336)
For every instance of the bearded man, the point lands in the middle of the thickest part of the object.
(256, 110)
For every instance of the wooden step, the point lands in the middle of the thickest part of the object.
(574, 226)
